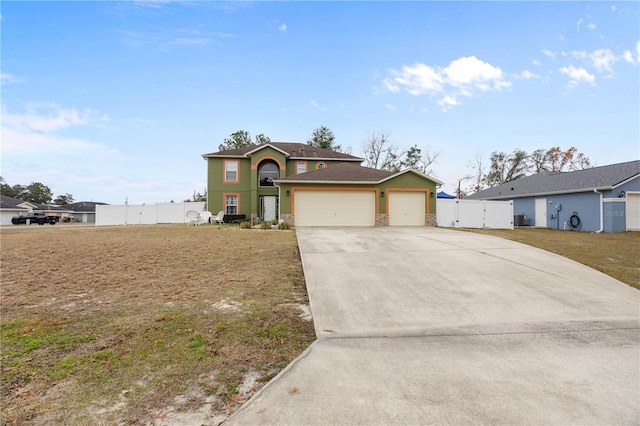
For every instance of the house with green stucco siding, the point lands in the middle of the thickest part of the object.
(310, 186)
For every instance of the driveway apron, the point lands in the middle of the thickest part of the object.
(425, 325)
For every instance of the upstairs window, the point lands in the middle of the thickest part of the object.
(321, 166)
(231, 170)
(267, 172)
(301, 167)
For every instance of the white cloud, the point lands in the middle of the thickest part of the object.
(526, 74)
(192, 41)
(314, 103)
(628, 56)
(592, 26)
(42, 118)
(536, 62)
(613, 7)
(34, 130)
(577, 75)
(282, 28)
(580, 21)
(448, 102)
(464, 76)
(391, 107)
(603, 59)
(549, 53)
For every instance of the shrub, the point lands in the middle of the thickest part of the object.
(245, 225)
(284, 225)
(266, 225)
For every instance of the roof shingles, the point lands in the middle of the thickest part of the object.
(557, 182)
(294, 150)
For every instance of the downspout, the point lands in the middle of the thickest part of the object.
(601, 208)
(279, 202)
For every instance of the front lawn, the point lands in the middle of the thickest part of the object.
(139, 324)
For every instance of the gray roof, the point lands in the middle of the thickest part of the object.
(82, 206)
(601, 178)
(10, 203)
(345, 172)
(293, 150)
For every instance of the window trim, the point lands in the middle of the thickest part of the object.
(224, 171)
(224, 202)
(264, 163)
(298, 172)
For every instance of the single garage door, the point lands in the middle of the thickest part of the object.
(633, 212)
(406, 208)
(334, 208)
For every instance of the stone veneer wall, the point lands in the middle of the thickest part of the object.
(382, 220)
(430, 220)
(287, 218)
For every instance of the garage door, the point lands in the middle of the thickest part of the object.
(406, 208)
(334, 208)
(633, 212)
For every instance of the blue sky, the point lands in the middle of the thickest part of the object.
(112, 101)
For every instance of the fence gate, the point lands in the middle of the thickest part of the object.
(474, 214)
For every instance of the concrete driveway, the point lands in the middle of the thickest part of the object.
(425, 325)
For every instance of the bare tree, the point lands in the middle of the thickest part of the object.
(381, 153)
(477, 165)
(568, 160)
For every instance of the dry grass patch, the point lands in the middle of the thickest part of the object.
(139, 324)
(617, 255)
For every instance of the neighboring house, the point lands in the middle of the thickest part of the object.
(309, 186)
(10, 207)
(83, 211)
(599, 199)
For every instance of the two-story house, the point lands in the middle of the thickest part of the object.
(310, 186)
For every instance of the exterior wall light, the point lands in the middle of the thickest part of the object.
(382, 194)
(288, 192)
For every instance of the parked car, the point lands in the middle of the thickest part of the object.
(35, 217)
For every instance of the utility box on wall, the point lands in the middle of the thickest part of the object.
(476, 214)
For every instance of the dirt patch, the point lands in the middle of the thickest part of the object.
(161, 324)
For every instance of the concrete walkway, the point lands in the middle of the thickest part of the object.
(433, 326)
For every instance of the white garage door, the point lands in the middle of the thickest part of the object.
(334, 208)
(633, 212)
(406, 208)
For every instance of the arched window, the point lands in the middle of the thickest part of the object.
(267, 172)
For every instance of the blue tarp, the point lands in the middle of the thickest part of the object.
(443, 194)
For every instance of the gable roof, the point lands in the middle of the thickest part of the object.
(545, 183)
(12, 203)
(82, 206)
(348, 173)
(295, 151)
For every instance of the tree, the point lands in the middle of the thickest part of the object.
(414, 159)
(242, 139)
(239, 139)
(15, 191)
(61, 200)
(539, 160)
(381, 153)
(323, 137)
(568, 160)
(38, 193)
(262, 139)
(477, 165)
(506, 167)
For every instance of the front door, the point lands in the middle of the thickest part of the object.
(541, 213)
(269, 208)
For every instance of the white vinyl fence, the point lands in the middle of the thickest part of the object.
(474, 214)
(145, 214)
